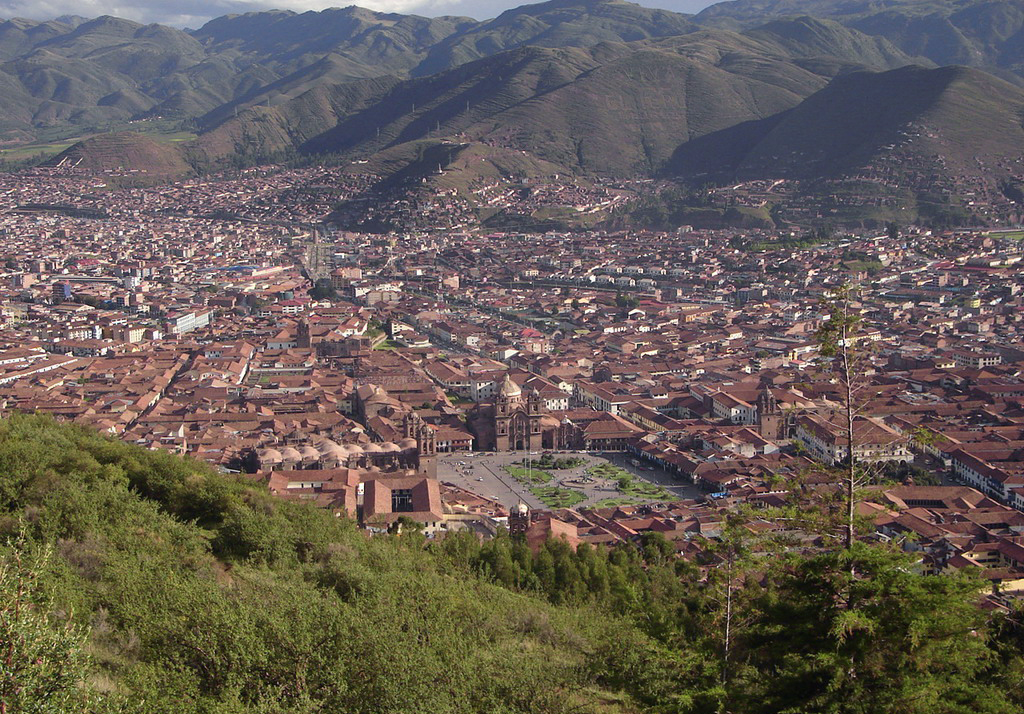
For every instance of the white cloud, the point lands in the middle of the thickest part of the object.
(193, 13)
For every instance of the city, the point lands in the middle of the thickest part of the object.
(677, 375)
(448, 357)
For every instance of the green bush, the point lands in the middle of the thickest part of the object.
(196, 592)
(172, 588)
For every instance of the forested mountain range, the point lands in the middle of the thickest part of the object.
(585, 87)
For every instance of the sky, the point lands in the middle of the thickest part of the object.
(193, 13)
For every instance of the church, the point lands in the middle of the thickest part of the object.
(513, 423)
(517, 421)
(520, 420)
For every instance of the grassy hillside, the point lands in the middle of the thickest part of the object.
(262, 132)
(79, 73)
(138, 581)
(614, 108)
(205, 594)
(126, 151)
(82, 74)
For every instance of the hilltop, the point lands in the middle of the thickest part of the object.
(125, 152)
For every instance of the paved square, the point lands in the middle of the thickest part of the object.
(484, 473)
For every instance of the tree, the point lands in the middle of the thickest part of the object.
(1008, 645)
(728, 591)
(886, 640)
(42, 660)
(838, 339)
(323, 290)
(626, 302)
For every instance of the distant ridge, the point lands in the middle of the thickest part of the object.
(978, 33)
(809, 90)
(614, 108)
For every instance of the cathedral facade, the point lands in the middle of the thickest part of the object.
(517, 419)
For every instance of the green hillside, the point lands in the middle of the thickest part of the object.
(204, 594)
(615, 108)
(138, 581)
(126, 151)
(262, 132)
(965, 116)
(978, 33)
(584, 87)
(81, 74)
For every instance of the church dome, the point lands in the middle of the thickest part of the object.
(406, 444)
(270, 456)
(289, 453)
(509, 388)
(378, 396)
(328, 448)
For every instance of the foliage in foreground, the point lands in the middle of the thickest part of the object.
(173, 589)
(204, 594)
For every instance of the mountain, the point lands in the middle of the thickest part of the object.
(978, 33)
(408, 45)
(374, 43)
(558, 23)
(612, 108)
(573, 87)
(261, 132)
(19, 35)
(911, 144)
(89, 73)
(83, 73)
(807, 37)
(961, 115)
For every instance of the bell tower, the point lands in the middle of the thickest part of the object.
(518, 519)
(533, 402)
(769, 415)
(303, 337)
(426, 443)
